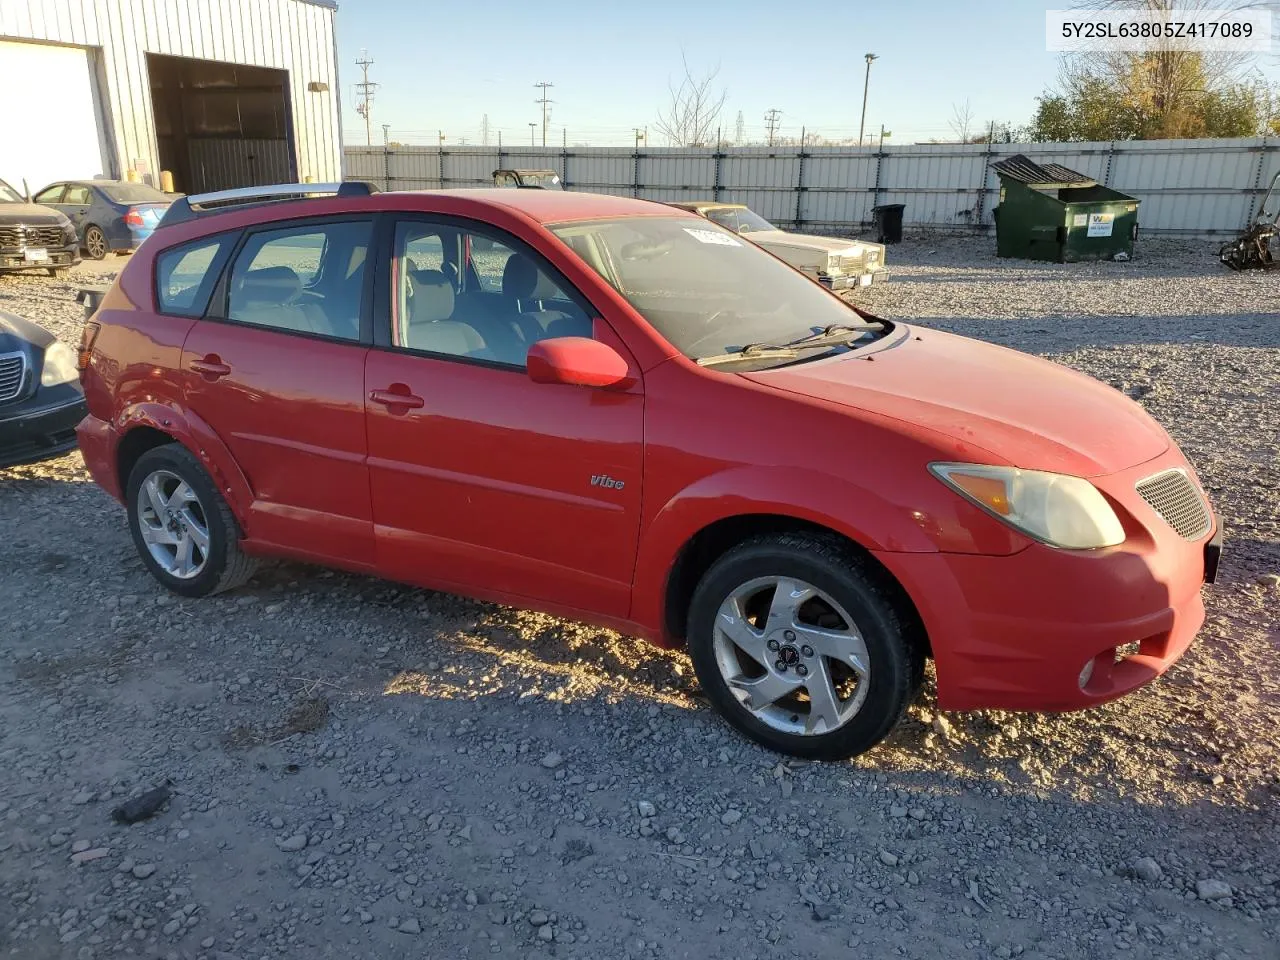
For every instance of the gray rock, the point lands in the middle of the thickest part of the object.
(410, 926)
(551, 760)
(1147, 869)
(539, 917)
(293, 844)
(646, 809)
(1213, 890)
(144, 870)
(730, 817)
(888, 859)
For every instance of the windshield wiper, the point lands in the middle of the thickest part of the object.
(835, 335)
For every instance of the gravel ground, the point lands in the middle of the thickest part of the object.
(365, 770)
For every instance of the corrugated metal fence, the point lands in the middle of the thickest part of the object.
(1187, 187)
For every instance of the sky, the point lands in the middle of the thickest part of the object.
(444, 66)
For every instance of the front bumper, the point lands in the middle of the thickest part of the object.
(1055, 630)
(850, 281)
(30, 433)
(17, 259)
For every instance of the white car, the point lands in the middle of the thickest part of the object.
(836, 263)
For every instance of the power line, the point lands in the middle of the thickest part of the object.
(544, 86)
(771, 119)
(364, 94)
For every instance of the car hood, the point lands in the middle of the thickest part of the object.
(780, 238)
(14, 331)
(1030, 412)
(28, 213)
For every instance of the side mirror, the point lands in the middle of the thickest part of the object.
(576, 361)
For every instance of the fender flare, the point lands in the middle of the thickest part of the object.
(807, 495)
(187, 428)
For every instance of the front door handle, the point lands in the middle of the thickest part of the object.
(211, 367)
(397, 398)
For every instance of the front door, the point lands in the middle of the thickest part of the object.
(484, 481)
(276, 368)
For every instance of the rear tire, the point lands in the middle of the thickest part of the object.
(840, 604)
(174, 508)
(95, 242)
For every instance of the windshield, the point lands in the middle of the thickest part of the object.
(133, 193)
(701, 287)
(739, 219)
(8, 194)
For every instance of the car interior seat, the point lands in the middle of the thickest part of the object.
(430, 318)
(270, 296)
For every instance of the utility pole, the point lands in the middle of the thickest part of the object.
(364, 96)
(640, 135)
(484, 131)
(544, 87)
(771, 118)
(865, 83)
(533, 127)
(386, 134)
(739, 130)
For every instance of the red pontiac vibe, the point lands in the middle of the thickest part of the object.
(619, 412)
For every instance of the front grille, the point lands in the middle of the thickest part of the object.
(13, 369)
(1172, 495)
(16, 236)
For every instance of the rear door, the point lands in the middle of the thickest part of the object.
(276, 368)
(75, 204)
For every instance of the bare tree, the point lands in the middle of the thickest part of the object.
(693, 111)
(961, 121)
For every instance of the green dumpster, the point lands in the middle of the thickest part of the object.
(1048, 212)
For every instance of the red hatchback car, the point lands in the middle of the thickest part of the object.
(619, 412)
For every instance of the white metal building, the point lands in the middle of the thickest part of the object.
(221, 93)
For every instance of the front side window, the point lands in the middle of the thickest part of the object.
(77, 195)
(706, 290)
(185, 276)
(304, 279)
(50, 194)
(466, 294)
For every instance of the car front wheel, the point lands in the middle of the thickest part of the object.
(184, 531)
(800, 644)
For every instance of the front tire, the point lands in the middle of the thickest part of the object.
(183, 530)
(95, 243)
(801, 644)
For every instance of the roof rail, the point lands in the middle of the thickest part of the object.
(202, 204)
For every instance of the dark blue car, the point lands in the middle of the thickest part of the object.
(108, 214)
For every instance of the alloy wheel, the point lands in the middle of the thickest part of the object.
(791, 656)
(173, 524)
(95, 243)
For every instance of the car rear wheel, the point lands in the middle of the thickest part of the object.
(184, 531)
(801, 645)
(95, 243)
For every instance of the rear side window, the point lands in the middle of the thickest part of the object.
(185, 275)
(303, 279)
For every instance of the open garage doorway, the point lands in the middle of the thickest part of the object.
(221, 125)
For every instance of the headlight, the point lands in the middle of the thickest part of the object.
(59, 365)
(1060, 510)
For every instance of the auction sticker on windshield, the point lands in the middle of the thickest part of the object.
(711, 236)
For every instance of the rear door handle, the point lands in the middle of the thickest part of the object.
(211, 367)
(397, 400)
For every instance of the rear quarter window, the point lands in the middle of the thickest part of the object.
(186, 275)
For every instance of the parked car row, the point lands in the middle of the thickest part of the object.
(98, 217)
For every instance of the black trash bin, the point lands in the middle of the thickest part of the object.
(888, 219)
